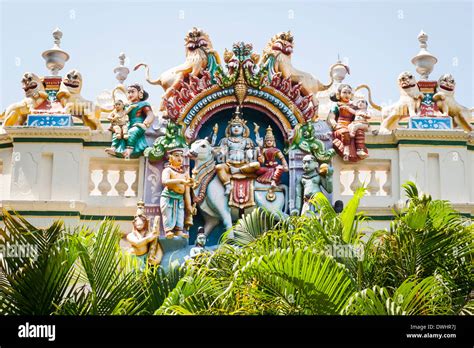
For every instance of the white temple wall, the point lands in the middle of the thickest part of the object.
(49, 174)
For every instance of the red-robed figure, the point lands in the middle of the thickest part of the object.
(340, 117)
(271, 170)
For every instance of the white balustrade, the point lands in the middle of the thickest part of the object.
(113, 177)
(375, 175)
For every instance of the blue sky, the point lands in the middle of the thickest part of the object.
(377, 38)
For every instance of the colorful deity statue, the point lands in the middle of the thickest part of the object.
(361, 118)
(304, 139)
(200, 245)
(237, 148)
(119, 119)
(313, 180)
(340, 117)
(172, 139)
(270, 171)
(141, 239)
(175, 201)
(141, 117)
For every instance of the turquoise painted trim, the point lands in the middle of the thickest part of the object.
(48, 140)
(381, 146)
(204, 101)
(420, 142)
(432, 142)
(285, 110)
(7, 145)
(54, 213)
(97, 143)
(59, 140)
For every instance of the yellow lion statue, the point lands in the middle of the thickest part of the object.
(35, 95)
(278, 52)
(198, 47)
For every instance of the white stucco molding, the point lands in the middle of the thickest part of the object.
(5, 139)
(76, 132)
(423, 134)
(46, 206)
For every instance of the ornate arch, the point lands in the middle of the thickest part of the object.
(268, 100)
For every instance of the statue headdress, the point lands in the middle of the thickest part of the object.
(237, 119)
(140, 209)
(269, 134)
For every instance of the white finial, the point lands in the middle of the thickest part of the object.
(56, 57)
(57, 35)
(424, 60)
(122, 57)
(121, 71)
(423, 38)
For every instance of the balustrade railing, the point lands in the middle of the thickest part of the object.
(113, 177)
(374, 174)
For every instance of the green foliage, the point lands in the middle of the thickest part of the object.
(33, 285)
(426, 297)
(76, 273)
(323, 263)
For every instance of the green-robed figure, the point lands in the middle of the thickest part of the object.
(140, 118)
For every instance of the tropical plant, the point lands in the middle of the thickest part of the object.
(76, 272)
(325, 264)
(322, 263)
(34, 280)
(412, 297)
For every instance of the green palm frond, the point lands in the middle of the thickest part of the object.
(253, 225)
(302, 281)
(35, 284)
(112, 277)
(349, 216)
(159, 284)
(426, 297)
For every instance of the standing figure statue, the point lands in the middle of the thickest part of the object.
(311, 182)
(237, 149)
(141, 239)
(175, 201)
(270, 171)
(340, 117)
(141, 117)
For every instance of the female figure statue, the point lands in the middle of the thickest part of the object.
(340, 117)
(270, 170)
(141, 117)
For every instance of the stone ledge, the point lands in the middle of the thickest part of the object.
(71, 206)
(36, 134)
(444, 135)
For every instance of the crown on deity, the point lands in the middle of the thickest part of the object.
(269, 134)
(236, 119)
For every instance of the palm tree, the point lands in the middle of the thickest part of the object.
(322, 264)
(78, 272)
(317, 264)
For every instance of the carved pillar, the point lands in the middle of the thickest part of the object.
(121, 185)
(104, 185)
(152, 189)
(373, 187)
